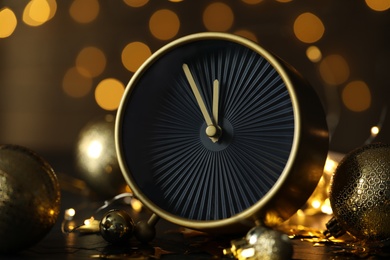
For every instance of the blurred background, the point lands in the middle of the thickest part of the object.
(65, 63)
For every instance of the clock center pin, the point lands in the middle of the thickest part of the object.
(211, 131)
(214, 132)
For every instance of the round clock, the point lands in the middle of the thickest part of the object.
(214, 133)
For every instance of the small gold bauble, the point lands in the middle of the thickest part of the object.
(29, 198)
(116, 226)
(269, 244)
(96, 159)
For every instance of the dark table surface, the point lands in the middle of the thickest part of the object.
(171, 241)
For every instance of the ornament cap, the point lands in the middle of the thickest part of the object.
(334, 229)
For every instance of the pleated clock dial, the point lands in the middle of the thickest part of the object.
(212, 133)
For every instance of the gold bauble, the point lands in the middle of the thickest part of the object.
(360, 194)
(269, 244)
(29, 198)
(116, 226)
(96, 160)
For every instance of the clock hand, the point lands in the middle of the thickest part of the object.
(215, 101)
(216, 108)
(198, 97)
(211, 130)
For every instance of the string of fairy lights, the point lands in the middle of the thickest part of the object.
(164, 24)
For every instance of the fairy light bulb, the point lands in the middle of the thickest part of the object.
(69, 214)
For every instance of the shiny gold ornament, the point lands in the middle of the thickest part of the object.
(96, 159)
(116, 226)
(269, 244)
(29, 198)
(261, 243)
(360, 195)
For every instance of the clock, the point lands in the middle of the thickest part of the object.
(214, 133)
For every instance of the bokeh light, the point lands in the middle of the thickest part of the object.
(314, 54)
(84, 11)
(108, 93)
(37, 12)
(164, 24)
(112, 40)
(356, 96)
(246, 34)
(8, 22)
(53, 8)
(378, 5)
(136, 3)
(308, 28)
(334, 69)
(134, 54)
(91, 61)
(76, 85)
(218, 17)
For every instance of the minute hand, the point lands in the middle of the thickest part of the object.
(197, 95)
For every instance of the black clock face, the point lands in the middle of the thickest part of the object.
(167, 154)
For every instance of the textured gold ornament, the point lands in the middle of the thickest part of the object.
(29, 198)
(360, 194)
(261, 243)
